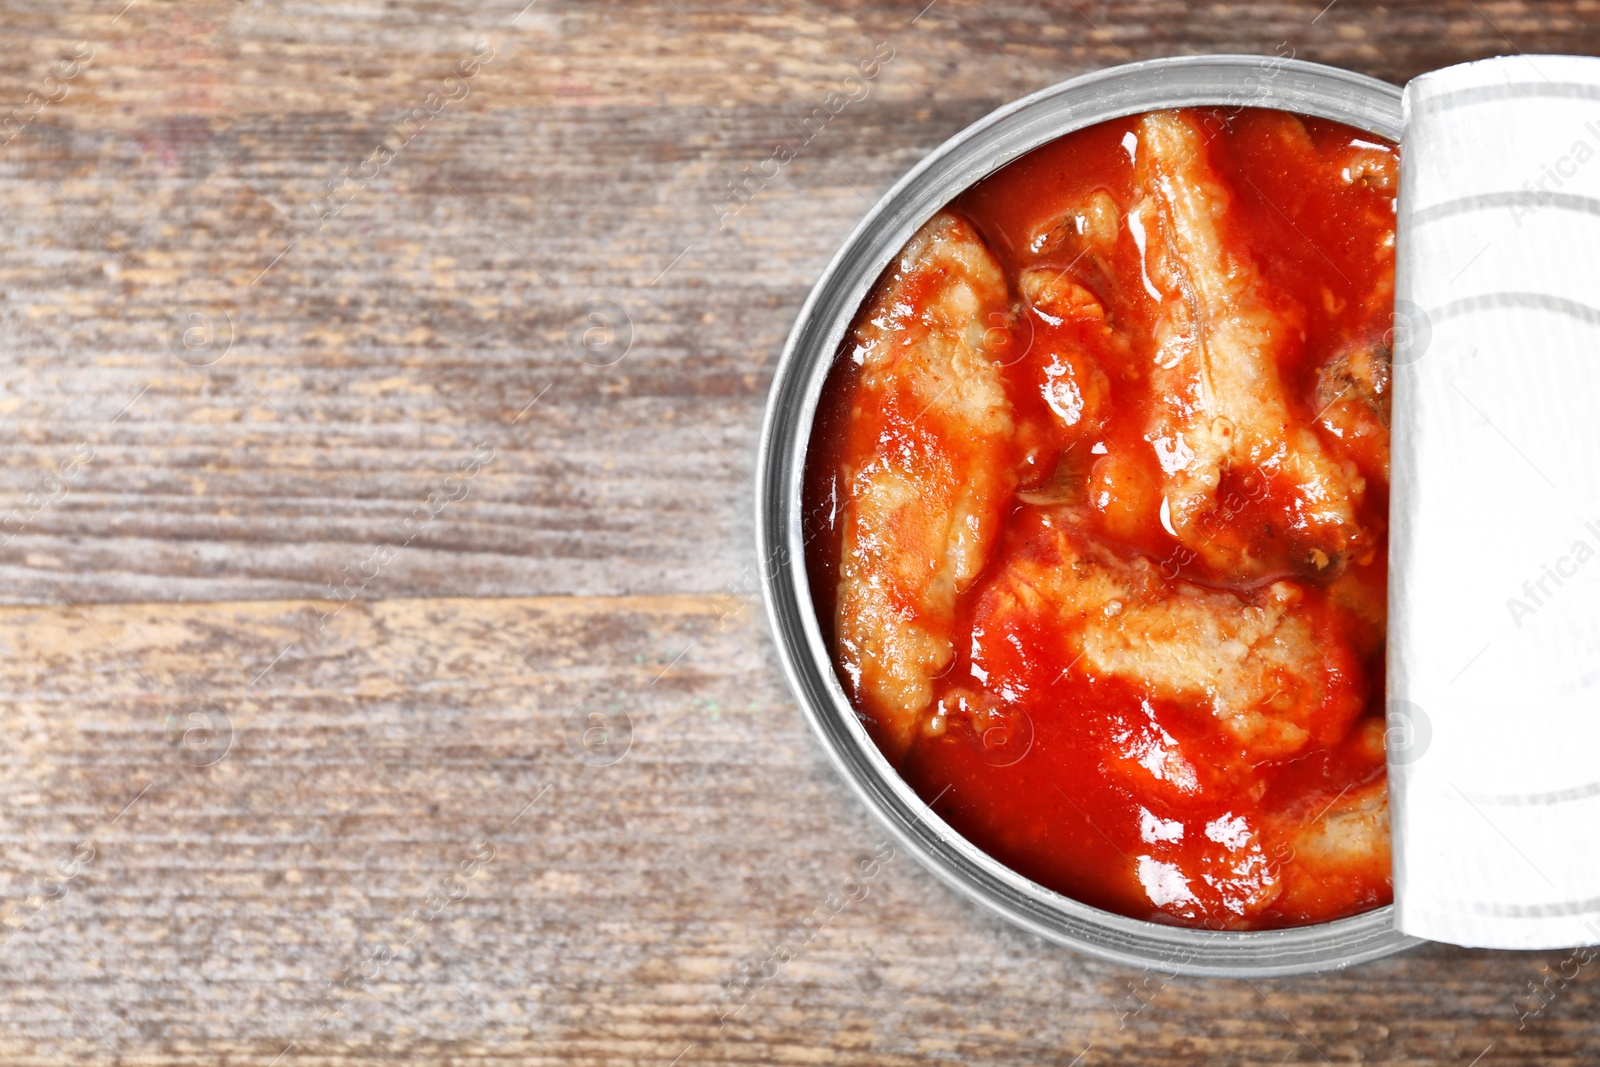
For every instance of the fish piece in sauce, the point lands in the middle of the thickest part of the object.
(930, 429)
(1218, 336)
(1340, 854)
(1333, 851)
(1267, 667)
(1352, 400)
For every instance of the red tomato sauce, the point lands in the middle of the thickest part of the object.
(1041, 790)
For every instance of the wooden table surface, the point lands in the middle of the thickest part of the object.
(346, 483)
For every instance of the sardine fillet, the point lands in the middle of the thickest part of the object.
(1217, 341)
(1253, 662)
(922, 510)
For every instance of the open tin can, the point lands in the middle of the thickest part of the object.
(980, 150)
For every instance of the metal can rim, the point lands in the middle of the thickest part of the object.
(982, 148)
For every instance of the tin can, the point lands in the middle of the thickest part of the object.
(984, 147)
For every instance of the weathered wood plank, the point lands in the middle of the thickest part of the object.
(388, 744)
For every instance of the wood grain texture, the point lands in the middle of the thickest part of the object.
(226, 792)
